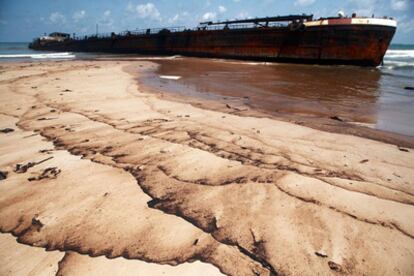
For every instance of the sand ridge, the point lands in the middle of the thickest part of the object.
(193, 184)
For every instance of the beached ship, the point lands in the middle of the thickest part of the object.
(295, 38)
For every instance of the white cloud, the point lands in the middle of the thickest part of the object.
(399, 5)
(304, 2)
(83, 31)
(57, 18)
(106, 19)
(364, 7)
(178, 17)
(148, 10)
(174, 19)
(222, 9)
(406, 25)
(130, 7)
(78, 15)
(209, 16)
(243, 15)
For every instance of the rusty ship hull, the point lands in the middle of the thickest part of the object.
(334, 41)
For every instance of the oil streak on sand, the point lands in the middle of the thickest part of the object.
(156, 186)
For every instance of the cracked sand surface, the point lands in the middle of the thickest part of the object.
(165, 182)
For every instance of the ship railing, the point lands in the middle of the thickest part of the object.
(152, 31)
(240, 26)
(141, 32)
(102, 35)
(94, 36)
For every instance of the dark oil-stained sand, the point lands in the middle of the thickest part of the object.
(124, 180)
(19, 259)
(332, 98)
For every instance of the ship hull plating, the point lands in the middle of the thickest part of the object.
(363, 45)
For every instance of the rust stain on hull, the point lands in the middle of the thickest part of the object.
(363, 45)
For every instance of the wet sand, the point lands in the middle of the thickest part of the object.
(109, 177)
(364, 96)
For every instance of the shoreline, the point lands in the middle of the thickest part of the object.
(109, 169)
(236, 105)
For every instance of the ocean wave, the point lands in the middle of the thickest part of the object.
(65, 55)
(400, 54)
(399, 60)
(397, 65)
(12, 48)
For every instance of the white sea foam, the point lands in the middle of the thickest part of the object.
(228, 61)
(156, 58)
(170, 77)
(400, 54)
(64, 55)
(398, 60)
(398, 63)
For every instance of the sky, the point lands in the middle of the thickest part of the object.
(22, 20)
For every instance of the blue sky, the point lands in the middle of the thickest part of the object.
(21, 20)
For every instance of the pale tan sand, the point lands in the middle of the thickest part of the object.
(144, 178)
(19, 259)
(76, 264)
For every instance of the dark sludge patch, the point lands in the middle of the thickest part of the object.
(6, 130)
(334, 266)
(36, 224)
(50, 173)
(403, 149)
(336, 118)
(3, 175)
(258, 259)
(153, 203)
(22, 168)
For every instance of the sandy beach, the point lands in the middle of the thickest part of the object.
(100, 176)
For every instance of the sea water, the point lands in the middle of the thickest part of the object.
(18, 51)
(400, 60)
(396, 101)
(381, 95)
